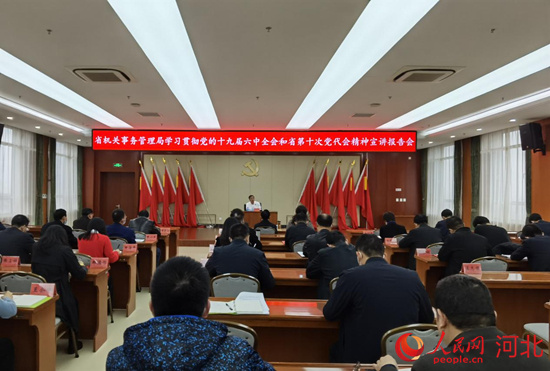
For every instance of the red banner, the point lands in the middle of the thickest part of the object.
(255, 141)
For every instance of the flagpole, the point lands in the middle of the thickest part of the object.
(204, 198)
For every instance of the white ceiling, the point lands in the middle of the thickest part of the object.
(258, 79)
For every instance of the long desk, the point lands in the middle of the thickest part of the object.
(32, 332)
(285, 260)
(292, 283)
(123, 281)
(147, 262)
(173, 242)
(396, 255)
(197, 236)
(294, 330)
(273, 246)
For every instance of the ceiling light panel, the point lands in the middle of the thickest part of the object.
(23, 73)
(158, 28)
(370, 38)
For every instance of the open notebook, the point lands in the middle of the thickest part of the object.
(245, 303)
(29, 301)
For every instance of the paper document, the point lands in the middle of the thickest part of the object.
(29, 301)
(508, 257)
(301, 253)
(245, 303)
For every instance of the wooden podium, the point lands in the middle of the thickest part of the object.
(253, 217)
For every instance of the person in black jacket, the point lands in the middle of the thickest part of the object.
(82, 222)
(495, 235)
(265, 214)
(371, 299)
(223, 239)
(462, 246)
(420, 237)
(317, 241)
(253, 240)
(15, 241)
(391, 229)
(60, 219)
(238, 257)
(299, 232)
(442, 224)
(544, 226)
(330, 262)
(466, 320)
(535, 247)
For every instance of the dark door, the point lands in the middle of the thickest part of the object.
(117, 190)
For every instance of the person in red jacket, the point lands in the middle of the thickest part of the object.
(96, 243)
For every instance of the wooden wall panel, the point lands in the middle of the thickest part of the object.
(540, 176)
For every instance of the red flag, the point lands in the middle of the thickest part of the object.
(307, 198)
(337, 199)
(156, 193)
(169, 197)
(349, 199)
(182, 197)
(362, 195)
(321, 192)
(144, 191)
(195, 198)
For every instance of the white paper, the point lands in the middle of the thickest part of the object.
(27, 301)
(247, 299)
(509, 257)
(301, 253)
(222, 307)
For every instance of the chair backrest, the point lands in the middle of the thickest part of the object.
(332, 284)
(84, 258)
(427, 332)
(399, 237)
(265, 230)
(298, 246)
(492, 263)
(140, 235)
(19, 281)
(435, 247)
(229, 285)
(242, 331)
(78, 232)
(118, 243)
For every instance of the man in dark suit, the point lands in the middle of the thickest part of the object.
(495, 235)
(461, 246)
(143, 224)
(265, 214)
(391, 229)
(317, 241)
(420, 237)
(544, 226)
(535, 247)
(371, 299)
(466, 320)
(15, 241)
(330, 262)
(82, 222)
(442, 224)
(60, 218)
(253, 239)
(117, 229)
(238, 257)
(299, 232)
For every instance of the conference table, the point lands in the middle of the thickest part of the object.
(294, 330)
(285, 260)
(173, 242)
(123, 282)
(197, 236)
(396, 255)
(147, 262)
(32, 331)
(292, 283)
(273, 246)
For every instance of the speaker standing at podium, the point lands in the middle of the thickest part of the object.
(252, 204)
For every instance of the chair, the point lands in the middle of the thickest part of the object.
(140, 235)
(435, 247)
(332, 284)
(118, 243)
(425, 331)
(298, 246)
(540, 330)
(229, 285)
(19, 281)
(492, 264)
(242, 331)
(78, 232)
(265, 230)
(61, 329)
(399, 237)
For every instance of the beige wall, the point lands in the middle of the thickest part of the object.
(277, 187)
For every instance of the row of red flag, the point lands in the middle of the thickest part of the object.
(343, 197)
(165, 192)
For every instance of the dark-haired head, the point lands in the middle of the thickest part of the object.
(300, 209)
(420, 219)
(300, 218)
(454, 223)
(19, 221)
(95, 224)
(370, 246)
(87, 211)
(59, 214)
(389, 217)
(446, 213)
(324, 220)
(480, 220)
(54, 236)
(531, 230)
(335, 237)
(265, 214)
(118, 216)
(238, 214)
(144, 213)
(180, 286)
(535, 218)
(239, 232)
(224, 236)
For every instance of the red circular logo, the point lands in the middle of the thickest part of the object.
(404, 351)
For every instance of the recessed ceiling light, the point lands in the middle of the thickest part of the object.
(479, 129)
(37, 127)
(527, 65)
(61, 134)
(513, 120)
(23, 73)
(9, 118)
(158, 28)
(453, 136)
(430, 142)
(371, 32)
(79, 140)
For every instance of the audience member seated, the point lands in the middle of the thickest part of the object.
(117, 229)
(299, 209)
(179, 336)
(535, 247)
(442, 224)
(238, 257)
(317, 241)
(2, 227)
(223, 239)
(466, 320)
(461, 246)
(299, 232)
(371, 299)
(391, 229)
(53, 259)
(15, 241)
(143, 224)
(495, 235)
(254, 241)
(265, 214)
(96, 243)
(330, 262)
(544, 226)
(60, 218)
(82, 222)
(419, 238)
(8, 309)
(252, 204)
